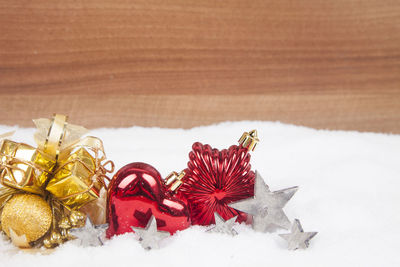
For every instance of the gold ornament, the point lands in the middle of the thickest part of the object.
(26, 214)
(75, 219)
(54, 239)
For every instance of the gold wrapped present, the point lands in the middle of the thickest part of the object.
(24, 167)
(80, 175)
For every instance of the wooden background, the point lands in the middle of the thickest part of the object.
(321, 63)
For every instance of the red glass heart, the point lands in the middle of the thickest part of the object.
(135, 193)
(215, 179)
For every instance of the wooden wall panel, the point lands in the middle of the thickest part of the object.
(321, 63)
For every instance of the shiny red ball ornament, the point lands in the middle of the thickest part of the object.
(216, 178)
(135, 193)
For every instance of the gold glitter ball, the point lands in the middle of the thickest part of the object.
(28, 215)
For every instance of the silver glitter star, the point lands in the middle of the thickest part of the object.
(149, 237)
(222, 226)
(298, 238)
(89, 235)
(266, 206)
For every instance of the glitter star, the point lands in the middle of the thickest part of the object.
(298, 238)
(149, 237)
(89, 235)
(222, 226)
(266, 206)
(18, 240)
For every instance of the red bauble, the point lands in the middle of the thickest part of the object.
(135, 193)
(214, 179)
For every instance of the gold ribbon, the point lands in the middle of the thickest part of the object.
(56, 135)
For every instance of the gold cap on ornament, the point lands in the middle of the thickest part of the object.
(174, 180)
(249, 140)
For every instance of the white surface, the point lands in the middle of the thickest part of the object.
(349, 193)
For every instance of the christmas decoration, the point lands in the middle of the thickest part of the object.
(26, 215)
(57, 192)
(45, 186)
(266, 206)
(222, 226)
(136, 193)
(216, 178)
(89, 235)
(149, 237)
(297, 238)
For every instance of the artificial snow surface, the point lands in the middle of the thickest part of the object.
(349, 192)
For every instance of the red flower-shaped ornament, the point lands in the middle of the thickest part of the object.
(216, 178)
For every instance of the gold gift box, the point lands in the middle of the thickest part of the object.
(25, 167)
(73, 184)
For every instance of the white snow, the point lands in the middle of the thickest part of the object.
(349, 193)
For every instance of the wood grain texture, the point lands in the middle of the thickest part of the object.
(321, 63)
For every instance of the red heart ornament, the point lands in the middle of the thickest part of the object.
(135, 193)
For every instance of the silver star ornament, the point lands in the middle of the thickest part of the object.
(149, 237)
(222, 226)
(89, 235)
(266, 206)
(298, 239)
